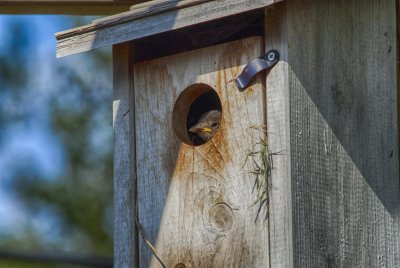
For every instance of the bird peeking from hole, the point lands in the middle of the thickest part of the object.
(207, 125)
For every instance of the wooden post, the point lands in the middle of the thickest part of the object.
(125, 231)
(335, 118)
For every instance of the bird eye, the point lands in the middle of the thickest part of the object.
(215, 124)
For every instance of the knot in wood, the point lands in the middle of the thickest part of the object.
(221, 217)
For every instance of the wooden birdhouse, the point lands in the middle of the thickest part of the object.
(299, 169)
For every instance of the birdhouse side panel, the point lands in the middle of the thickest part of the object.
(343, 125)
(196, 203)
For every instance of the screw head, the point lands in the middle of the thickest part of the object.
(271, 56)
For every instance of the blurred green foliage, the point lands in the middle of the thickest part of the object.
(24, 264)
(76, 110)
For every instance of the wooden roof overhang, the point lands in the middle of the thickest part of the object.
(151, 19)
(72, 7)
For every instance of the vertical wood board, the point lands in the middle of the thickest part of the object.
(125, 234)
(343, 132)
(195, 202)
(278, 122)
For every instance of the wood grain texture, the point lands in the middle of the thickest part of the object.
(89, 37)
(195, 202)
(278, 124)
(82, 2)
(398, 63)
(72, 7)
(148, 9)
(125, 232)
(343, 132)
(166, 4)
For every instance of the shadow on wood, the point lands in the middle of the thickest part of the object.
(344, 136)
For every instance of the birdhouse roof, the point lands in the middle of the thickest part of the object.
(73, 7)
(150, 18)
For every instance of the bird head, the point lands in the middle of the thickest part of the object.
(207, 125)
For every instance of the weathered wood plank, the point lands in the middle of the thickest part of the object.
(195, 202)
(83, 2)
(278, 124)
(398, 64)
(343, 132)
(147, 9)
(73, 7)
(165, 4)
(89, 37)
(125, 233)
(213, 33)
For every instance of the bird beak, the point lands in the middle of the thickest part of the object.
(207, 130)
(200, 129)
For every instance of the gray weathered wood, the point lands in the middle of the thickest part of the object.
(278, 123)
(125, 233)
(195, 202)
(75, 7)
(166, 4)
(89, 37)
(147, 9)
(343, 132)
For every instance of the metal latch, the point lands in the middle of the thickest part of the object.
(254, 67)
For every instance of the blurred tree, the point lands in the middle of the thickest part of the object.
(71, 209)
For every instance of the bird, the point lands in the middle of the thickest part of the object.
(207, 125)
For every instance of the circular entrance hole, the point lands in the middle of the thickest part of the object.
(198, 103)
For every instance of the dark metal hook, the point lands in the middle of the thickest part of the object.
(254, 67)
